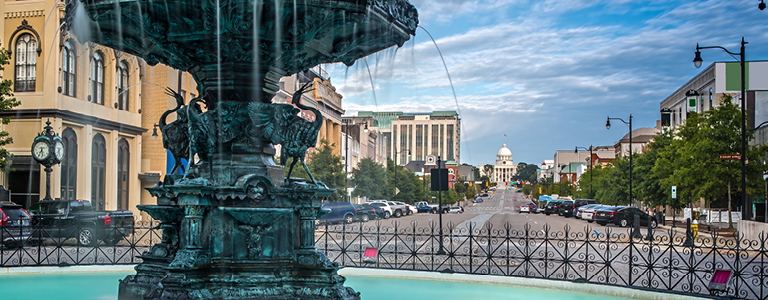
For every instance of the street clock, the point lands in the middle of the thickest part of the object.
(48, 150)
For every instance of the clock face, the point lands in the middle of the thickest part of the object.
(59, 150)
(40, 150)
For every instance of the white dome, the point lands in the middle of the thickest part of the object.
(504, 152)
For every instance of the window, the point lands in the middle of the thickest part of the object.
(97, 78)
(435, 139)
(26, 62)
(68, 70)
(710, 97)
(69, 166)
(449, 130)
(123, 167)
(98, 171)
(122, 86)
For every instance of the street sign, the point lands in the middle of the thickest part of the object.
(730, 156)
(674, 192)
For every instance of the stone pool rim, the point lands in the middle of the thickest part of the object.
(560, 285)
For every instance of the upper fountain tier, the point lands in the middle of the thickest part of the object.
(241, 48)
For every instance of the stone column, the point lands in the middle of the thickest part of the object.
(191, 226)
(307, 217)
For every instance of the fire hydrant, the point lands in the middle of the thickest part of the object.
(695, 229)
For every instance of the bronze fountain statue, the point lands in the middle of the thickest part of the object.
(233, 226)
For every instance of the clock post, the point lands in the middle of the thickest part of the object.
(48, 150)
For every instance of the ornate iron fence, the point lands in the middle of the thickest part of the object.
(46, 246)
(666, 262)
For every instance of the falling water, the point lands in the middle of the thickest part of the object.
(256, 62)
(458, 108)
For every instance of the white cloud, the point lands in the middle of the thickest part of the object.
(625, 57)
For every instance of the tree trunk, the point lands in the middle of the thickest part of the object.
(730, 221)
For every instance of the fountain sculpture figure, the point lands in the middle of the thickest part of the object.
(233, 227)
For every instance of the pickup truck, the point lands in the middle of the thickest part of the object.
(64, 219)
(432, 208)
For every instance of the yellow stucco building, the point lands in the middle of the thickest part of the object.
(93, 96)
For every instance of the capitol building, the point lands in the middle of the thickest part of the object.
(504, 168)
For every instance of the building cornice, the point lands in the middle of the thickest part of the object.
(74, 117)
(24, 14)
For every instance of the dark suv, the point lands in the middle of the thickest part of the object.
(552, 207)
(622, 215)
(14, 225)
(339, 212)
(566, 208)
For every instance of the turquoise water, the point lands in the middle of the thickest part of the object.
(103, 286)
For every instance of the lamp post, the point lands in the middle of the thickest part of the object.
(590, 165)
(742, 62)
(346, 154)
(397, 153)
(608, 126)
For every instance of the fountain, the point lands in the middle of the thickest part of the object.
(233, 226)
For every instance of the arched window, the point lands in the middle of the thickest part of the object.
(122, 86)
(123, 167)
(68, 69)
(26, 62)
(69, 165)
(97, 78)
(98, 172)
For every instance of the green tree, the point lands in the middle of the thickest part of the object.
(367, 179)
(404, 186)
(7, 102)
(526, 172)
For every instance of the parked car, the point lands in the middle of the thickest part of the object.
(552, 207)
(566, 209)
(456, 209)
(398, 210)
(478, 200)
(385, 206)
(485, 195)
(411, 209)
(587, 212)
(406, 210)
(581, 202)
(64, 219)
(339, 212)
(622, 216)
(14, 225)
(366, 212)
(528, 207)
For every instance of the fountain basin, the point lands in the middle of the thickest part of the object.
(100, 282)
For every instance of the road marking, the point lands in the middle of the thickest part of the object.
(477, 223)
(501, 203)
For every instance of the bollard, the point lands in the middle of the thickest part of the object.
(636, 228)
(649, 236)
(688, 234)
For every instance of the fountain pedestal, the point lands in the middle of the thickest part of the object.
(249, 245)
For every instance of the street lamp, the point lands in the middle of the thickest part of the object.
(576, 150)
(346, 154)
(697, 63)
(608, 126)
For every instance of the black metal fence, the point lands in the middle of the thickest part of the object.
(602, 255)
(46, 246)
(666, 262)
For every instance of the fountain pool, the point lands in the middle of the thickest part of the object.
(101, 283)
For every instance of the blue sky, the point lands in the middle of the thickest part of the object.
(548, 73)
